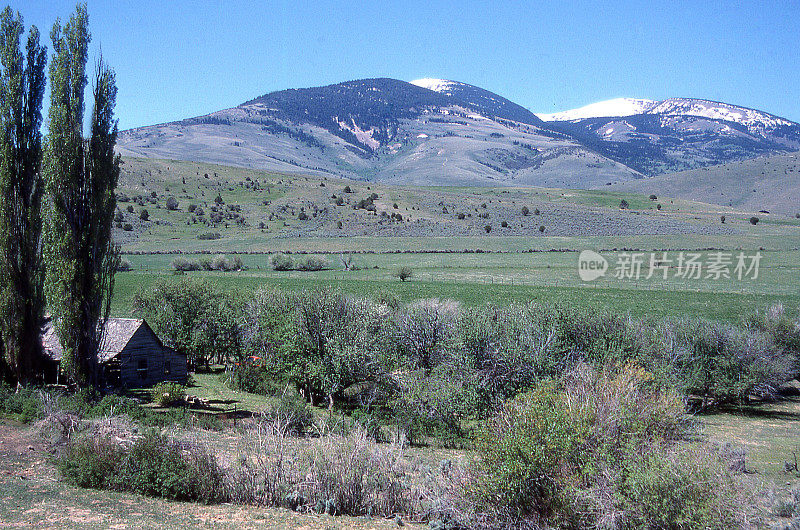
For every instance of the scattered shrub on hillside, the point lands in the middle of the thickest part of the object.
(208, 235)
(653, 197)
(623, 204)
(541, 229)
(754, 220)
(525, 210)
(488, 228)
(281, 262)
(722, 219)
(144, 215)
(130, 209)
(127, 227)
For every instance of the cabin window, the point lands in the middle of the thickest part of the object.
(142, 369)
(167, 368)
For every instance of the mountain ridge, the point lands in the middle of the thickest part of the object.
(443, 132)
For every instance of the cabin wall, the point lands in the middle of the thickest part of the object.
(145, 362)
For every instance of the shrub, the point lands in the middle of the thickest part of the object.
(172, 203)
(291, 413)
(167, 393)
(653, 197)
(754, 220)
(182, 264)
(144, 215)
(541, 229)
(281, 262)
(312, 263)
(525, 210)
(594, 447)
(23, 405)
(127, 227)
(679, 488)
(208, 235)
(504, 224)
(623, 204)
(722, 219)
(404, 273)
(154, 465)
(488, 228)
(124, 265)
(130, 209)
(719, 363)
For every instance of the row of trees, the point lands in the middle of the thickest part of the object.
(56, 199)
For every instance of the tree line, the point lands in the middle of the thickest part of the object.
(57, 257)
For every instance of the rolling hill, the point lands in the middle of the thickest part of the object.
(441, 132)
(384, 130)
(770, 183)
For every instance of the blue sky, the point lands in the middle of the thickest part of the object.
(179, 58)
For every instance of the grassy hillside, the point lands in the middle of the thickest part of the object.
(218, 208)
(769, 183)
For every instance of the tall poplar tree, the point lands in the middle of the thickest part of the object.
(22, 82)
(80, 176)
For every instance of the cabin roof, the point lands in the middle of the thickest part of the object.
(118, 333)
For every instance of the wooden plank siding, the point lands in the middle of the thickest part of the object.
(144, 361)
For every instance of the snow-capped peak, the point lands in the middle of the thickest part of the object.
(602, 109)
(437, 85)
(718, 111)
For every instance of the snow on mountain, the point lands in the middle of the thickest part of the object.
(437, 85)
(718, 111)
(602, 109)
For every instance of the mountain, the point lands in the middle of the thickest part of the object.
(489, 103)
(656, 137)
(770, 183)
(442, 132)
(384, 130)
(602, 109)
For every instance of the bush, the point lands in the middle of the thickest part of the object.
(23, 405)
(182, 264)
(312, 263)
(209, 235)
(679, 488)
(719, 363)
(404, 273)
(127, 227)
(172, 203)
(754, 220)
(154, 465)
(594, 446)
(623, 204)
(488, 228)
(144, 215)
(525, 210)
(167, 393)
(124, 265)
(281, 262)
(291, 413)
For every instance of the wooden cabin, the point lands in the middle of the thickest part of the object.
(131, 355)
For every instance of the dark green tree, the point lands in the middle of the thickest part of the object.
(80, 176)
(22, 82)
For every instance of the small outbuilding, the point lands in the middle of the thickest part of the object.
(131, 355)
